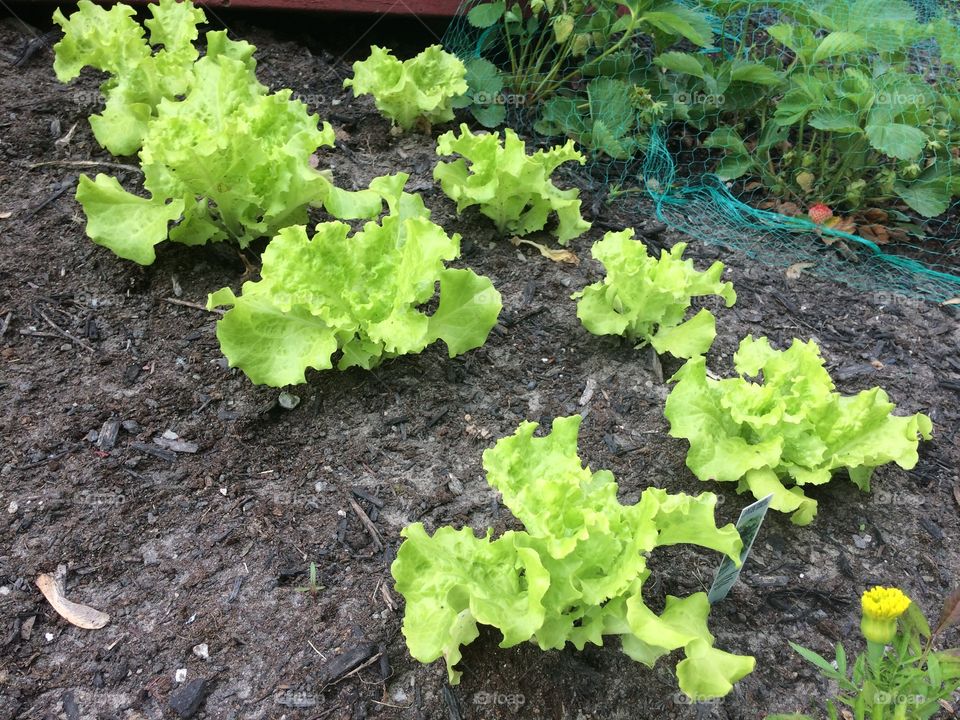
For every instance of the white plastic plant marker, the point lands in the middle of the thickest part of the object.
(748, 525)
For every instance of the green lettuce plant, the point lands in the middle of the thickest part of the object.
(360, 294)
(222, 158)
(788, 428)
(421, 89)
(141, 73)
(510, 187)
(646, 299)
(574, 573)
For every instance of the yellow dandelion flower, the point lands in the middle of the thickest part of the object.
(881, 608)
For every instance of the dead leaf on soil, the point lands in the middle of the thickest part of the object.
(875, 215)
(564, 256)
(80, 615)
(790, 209)
(841, 224)
(796, 270)
(875, 232)
(950, 615)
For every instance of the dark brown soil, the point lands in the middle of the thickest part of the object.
(213, 547)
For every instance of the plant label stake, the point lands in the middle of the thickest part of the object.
(748, 525)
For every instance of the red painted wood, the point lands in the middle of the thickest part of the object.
(426, 8)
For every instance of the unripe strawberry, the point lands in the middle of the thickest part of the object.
(819, 213)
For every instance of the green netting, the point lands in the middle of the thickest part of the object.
(746, 121)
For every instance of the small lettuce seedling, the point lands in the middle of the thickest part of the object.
(222, 158)
(646, 299)
(510, 187)
(421, 89)
(359, 294)
(574, 574)
(788, 428)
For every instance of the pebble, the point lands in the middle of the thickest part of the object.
(180, 675)
(202, 651)
(288, 401)
(66, 347)
(186, 701)
(131, 426)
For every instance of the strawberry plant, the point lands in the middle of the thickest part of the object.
(613, 118)
(551, 45)
(222, 158)
(358, 295)
(838, 110)
(419, 90)
(646, 299)
(787, 429)
(510, 187)
(575, 573)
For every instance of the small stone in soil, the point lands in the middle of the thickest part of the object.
(108, 434)
(186, 701)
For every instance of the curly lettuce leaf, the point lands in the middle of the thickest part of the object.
(361, 294)
(128, 225)
(646, 299)
(421, 89)
(510, 187)
(142, 71)
(574, 574)
(789, 429)
(234, 158)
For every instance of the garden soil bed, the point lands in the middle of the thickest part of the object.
(212, 547)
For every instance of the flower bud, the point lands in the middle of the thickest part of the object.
(881, 608)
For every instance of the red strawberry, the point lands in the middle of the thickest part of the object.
(819, 213)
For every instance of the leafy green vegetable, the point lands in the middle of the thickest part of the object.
(612, 119)
(484, 95)
(359, 294)
(789, 430)
(646, 299)
(420, 89)
(827, 106)
(573, 575)
(112, 41)
(223, 159)
(511, 188)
